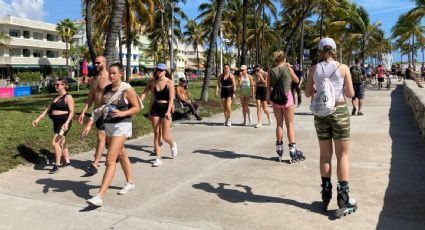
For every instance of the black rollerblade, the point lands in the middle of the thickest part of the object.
(346, 204)
(296, 155)
(279, 150)
(326, 195)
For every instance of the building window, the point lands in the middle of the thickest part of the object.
(26, 34)
(38, 36)
(26, 52)
(52, 54)
(14, 33)
(134, 56)
(37, 53)
(52, 38)
(15, 52)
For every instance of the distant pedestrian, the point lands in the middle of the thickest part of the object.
(246, 84)
(226, 84)
(61, 112)
(279, 89)
(296, 87)
(260, 78)
(380, 72)
(119, 104)
(359, 77)
(335, 126)
(185, 98)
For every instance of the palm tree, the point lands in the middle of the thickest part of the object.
(418, 12)
(66, 29)
(4, 39)
(88, 5)
(114, 26)
(212, 47)
(244, 29)
(193, 35)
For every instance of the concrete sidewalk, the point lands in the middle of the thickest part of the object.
(228, 178)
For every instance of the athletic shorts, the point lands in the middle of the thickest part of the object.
(289, 103)
(58, 121)
(335, 126)
(380, 79)
(245, 92)
(261, 93)
(118, 129)
(359, 90)
(159, 109)
(100, 124)
(226, 92)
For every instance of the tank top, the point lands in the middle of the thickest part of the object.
(228, 82)
(246, 83)
(337, 79)
(163, 95)
(380, 72)
(59, 104)
(121, 104)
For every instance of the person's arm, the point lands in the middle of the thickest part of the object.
(42, 115)
(218, 86)
(251, 80)
(262, 79)
(70, 101)
(309, 88)
(301, 80)
(349, 91)
(146, 90)
(88, 103)
(293, 76)
(234, 84)
(131, 96)
(170, 100)
(269, 87)
(179, 93)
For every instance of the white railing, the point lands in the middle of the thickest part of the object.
(32, 61)
(26, 42)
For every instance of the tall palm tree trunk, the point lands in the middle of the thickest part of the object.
(67, 57)
(244, 28)
(120, 55)
(163, 37)
(302, 45)
(306, 8)
(128, 43)
(212, 47)
(89, 21)
(257, 44)
(115, 23)
(197, 60)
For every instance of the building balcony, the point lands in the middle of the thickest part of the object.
(31, 61)
(22, 22)
(25, 42)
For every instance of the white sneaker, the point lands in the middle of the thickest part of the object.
(229, 123)
(258, 125)
(226, 122)
(270, 121)
(174, 151)
(127, 188)
(157, 162)
(96, 201)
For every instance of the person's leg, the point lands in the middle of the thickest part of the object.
(126, 165)
(224, 105)
(278, 113)
(360, 106)
(191, 106)
(341, 152)
(293, 93)
(259, 115)
(325, 158)
(248, 111)
(157, 135)
(243, 109)
(115, 146)
(298, 89)
(288, 115)
(229, 108)
(101, 141)
(57, 148)
(353, 102)
(266, 111)
(165, 126)
(65, 151)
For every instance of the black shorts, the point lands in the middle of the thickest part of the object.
(100, 124)
(58, 121)
(159, 109)
(359, 91)
(261, 93)
(226, 92)
(380, 79)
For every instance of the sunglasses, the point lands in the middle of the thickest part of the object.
(57, 84)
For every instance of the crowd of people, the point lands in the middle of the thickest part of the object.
(116, 103)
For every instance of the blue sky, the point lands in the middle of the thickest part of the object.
(387, 11)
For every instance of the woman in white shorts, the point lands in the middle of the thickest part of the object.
(118, 126)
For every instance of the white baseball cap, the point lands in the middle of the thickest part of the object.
(327, 42)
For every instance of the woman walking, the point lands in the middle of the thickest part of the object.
(246, 84)
(61, 111)
(279, 89)
(120, 103)
(260, 78)
(161, 110)
(335, 126)
(227, 86)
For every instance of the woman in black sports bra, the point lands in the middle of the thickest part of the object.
(160, 112)
(226, 83)
(61, 111)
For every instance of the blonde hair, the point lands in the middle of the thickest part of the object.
(327, 52)
(64, 82)
(279, 56)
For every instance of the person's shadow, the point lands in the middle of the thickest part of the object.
(237, 196)
(226, 154)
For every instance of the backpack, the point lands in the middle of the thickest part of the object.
(324, 100)
(278, 95)
(356, 74)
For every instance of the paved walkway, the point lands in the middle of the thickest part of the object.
(227, 178)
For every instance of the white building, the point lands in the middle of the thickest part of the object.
(33, 44)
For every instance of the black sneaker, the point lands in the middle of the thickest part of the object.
(354, 111)
(91, 170)
(54, 170)
(64, 165)
(359, 114)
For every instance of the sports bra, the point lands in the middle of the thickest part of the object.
(59, 104)
(227, 82)
(163, 95)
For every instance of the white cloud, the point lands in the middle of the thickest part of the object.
(30, 9)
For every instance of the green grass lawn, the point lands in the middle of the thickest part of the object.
(21, 143)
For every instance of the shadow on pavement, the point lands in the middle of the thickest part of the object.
(226, 154)
(40, 159)
(206, 123)
(79, 188)
(405, 195)
(234, 195)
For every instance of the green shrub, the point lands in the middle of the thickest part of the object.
(29, 76)
(138, 83)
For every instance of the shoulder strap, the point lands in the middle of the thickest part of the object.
(332, 72)
(123, 87)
